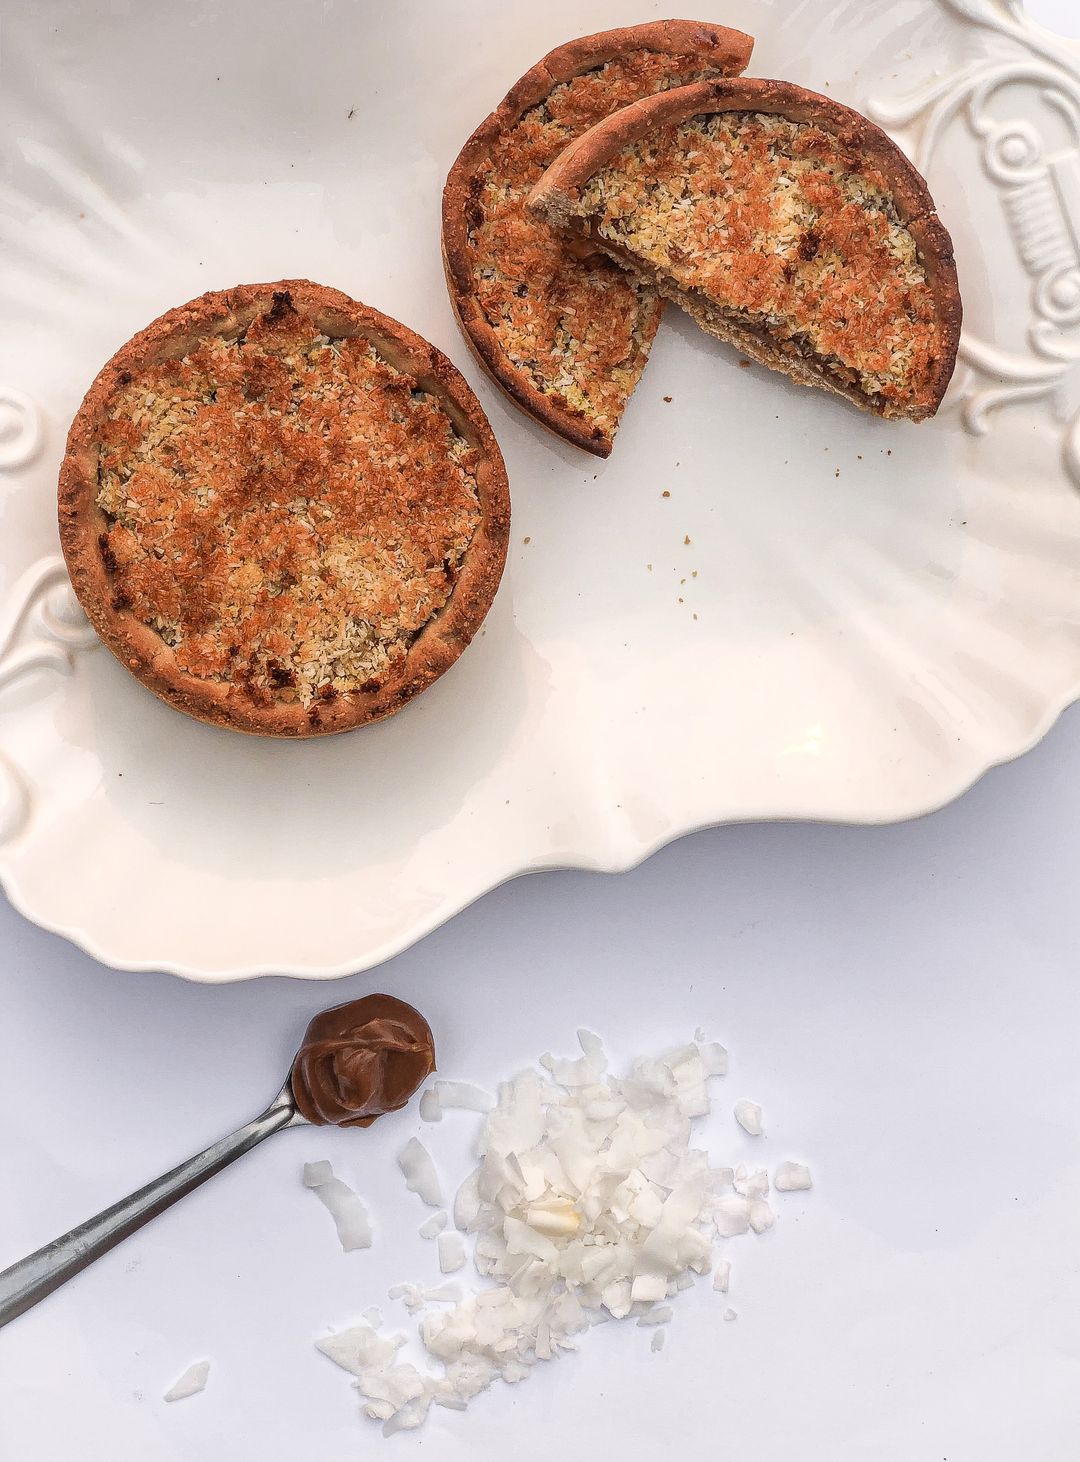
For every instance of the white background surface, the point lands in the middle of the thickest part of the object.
(903, 1001)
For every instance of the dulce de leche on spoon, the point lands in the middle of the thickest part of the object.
(361, 1060)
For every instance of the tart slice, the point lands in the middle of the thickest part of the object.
(782, 222)
(566, 337)
(284, 512)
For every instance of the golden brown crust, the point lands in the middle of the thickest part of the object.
(143, 651)
(561, 187)
(713, 47)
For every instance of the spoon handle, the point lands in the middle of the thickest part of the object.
(32, 1278)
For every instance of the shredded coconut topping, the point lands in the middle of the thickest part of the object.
(285, 510)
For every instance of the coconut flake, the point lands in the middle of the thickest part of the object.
(433, 1226)
(731, 1216)
(748, 1116)
(190, 1383)
(722, 1275)
(658, 1340)
(444, 1293)
(430, 1105)
(730, 1314)
(346, 1208)
(791, 1177)
(414, 1160)
(464, 1096)
(751, 1182)
(451, 1253)
(714, 1058)
(360, 1349)
(467, 1203)
(761, 1216)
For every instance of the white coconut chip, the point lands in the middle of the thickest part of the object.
(190, 1383)
(360, 1349)
(588, 1204)
(714, 1058)
(761, 1216)
(658, 1340)
(430, 1106)
(444, 1293)
(451, 1253)
(467, 1202)
(748, 1116)
(464, 1096)
(346, 1208)
(433, 1226)
(750, 1182)
(731, 1216)
(414, 1160)
(791, 1177)
(731, 1314)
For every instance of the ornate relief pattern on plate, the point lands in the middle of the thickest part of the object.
(42, 628)
(1036, 171)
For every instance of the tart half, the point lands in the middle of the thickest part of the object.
(784, 223)
(566, 337)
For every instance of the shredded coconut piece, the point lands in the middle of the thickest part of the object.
(791, 1177)
(433, 1226)
(451, 1253)
(761, 1216)
(751, 1183)
(414, 1160)
(463, 1095)
(190, 1383)
(731, 1314)
(345, 1207)
(748, 1116)
(430, 1106)
(658, 1340)
(722, 1275)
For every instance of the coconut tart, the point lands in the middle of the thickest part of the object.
(284, 512)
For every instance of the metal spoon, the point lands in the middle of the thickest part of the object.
(349, 1052)
(32, 1278)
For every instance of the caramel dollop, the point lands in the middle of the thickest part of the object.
(360, 1060)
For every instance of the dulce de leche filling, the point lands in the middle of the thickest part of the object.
(360, 1060)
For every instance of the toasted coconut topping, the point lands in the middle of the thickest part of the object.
(774, 224)
(287, 511)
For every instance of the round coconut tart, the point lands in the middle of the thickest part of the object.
(283, 512)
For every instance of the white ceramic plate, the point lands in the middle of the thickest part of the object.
(829, 616)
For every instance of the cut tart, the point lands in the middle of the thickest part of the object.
(782, 222)
(567, 337)
(283, 511)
